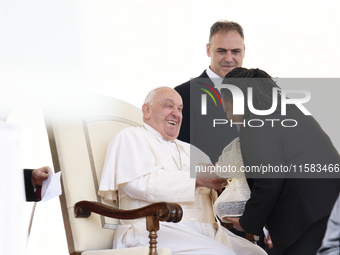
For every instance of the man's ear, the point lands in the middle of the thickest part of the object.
(244, 50)
(146, 111)
(208, 49)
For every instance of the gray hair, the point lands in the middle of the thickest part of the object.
(225, 26)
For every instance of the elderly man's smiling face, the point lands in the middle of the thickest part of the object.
(163, 112)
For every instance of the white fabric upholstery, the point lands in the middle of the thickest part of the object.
(80, 131)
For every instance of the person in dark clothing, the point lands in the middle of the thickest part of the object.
(295, 208)
(33, 182)
(226, 51)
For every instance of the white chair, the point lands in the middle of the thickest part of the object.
(79, 132)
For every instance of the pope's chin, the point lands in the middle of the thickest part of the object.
(171, 134)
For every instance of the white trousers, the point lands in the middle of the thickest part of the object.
(189, 238)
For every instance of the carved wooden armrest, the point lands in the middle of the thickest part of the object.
(169, 212)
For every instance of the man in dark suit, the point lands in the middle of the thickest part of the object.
(226, 51)
(33, 182)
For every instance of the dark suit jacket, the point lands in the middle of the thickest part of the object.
(289, 206)
(197, 129)
(29, 190)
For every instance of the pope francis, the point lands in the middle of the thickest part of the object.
(148, 164)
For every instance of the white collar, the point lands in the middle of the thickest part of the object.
(155, 133)
(217, 80)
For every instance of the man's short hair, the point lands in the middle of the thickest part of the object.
(225, 26)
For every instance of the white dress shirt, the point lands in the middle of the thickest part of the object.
(217, 80)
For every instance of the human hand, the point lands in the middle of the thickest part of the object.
(268, 241)
(210, 183)
(236, 222)
(39, 175)
(210, 180)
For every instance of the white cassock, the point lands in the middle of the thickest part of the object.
(145, 168)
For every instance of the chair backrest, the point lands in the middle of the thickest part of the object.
(79, 132)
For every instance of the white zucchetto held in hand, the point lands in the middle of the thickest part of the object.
(232, 201)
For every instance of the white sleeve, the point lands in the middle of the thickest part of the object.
(162, 186)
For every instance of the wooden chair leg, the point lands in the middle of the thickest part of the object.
(152, 225)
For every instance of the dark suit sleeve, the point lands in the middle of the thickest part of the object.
(264, 195)
(198, 129)
(30, 194)
(260, 147)
(184, 91)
